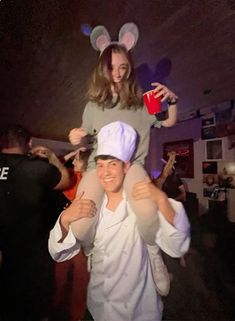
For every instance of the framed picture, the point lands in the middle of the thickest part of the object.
(226, 168)
(214, 149)
(184, 165)
(208, 132)
(226, 172)
(227, 181)
(208, 121)
(209, 167)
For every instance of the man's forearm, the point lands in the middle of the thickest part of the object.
(164, 206)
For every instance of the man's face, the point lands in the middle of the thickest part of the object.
(111, 173)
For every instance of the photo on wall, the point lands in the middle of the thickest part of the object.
(208, 121)
(227, 181)
(209, 167)
(184, 165)
(226, 168)
(214, 149)
(208, 132)
(226, 171)
(208, 128)
(210, 181)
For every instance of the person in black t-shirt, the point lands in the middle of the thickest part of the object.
(170, 182)
(26, 186)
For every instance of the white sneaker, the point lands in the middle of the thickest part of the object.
(159, 270)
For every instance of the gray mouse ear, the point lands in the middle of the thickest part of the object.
(128, 35)
(100, 38)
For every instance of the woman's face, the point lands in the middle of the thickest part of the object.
(119, 67)
(78, 164)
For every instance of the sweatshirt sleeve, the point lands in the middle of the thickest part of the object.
(65, 250)
(174, 240)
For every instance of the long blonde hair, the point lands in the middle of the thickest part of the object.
(99, 90)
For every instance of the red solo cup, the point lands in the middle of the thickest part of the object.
(152, 103)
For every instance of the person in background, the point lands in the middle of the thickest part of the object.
(77, 161)
(27, 270)
(72, 276)
(56, 200)
(170, 182)
(172, 185)
(121, 284)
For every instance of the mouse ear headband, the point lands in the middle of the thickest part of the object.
(128, 37)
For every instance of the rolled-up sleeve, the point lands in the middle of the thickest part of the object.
(62, 251)
(174, 239)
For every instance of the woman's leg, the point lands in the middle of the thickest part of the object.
(147, 222)
(160, 273)
(145, 209)
(84, 229)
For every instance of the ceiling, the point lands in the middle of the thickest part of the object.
(45, 59)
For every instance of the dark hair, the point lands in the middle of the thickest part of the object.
(83, 156)
(15, 136)
(106, 157)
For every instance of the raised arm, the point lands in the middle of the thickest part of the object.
(166, 171)
(45, 152)
(171, 98)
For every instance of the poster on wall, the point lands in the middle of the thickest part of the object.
(184, 165)
(226, 171)
(210, 181)
(208, 132)
(208, 121)
(209, 167)
(210, 177)
(217, 174)
(214, 149)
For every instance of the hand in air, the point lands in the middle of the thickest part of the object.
(41, 151)
(164, 92)
(170, 164)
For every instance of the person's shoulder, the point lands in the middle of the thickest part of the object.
(39, 163)
(90, 105)
(36, 160)
(12, 159)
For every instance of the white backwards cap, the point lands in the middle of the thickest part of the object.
(117, 139)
